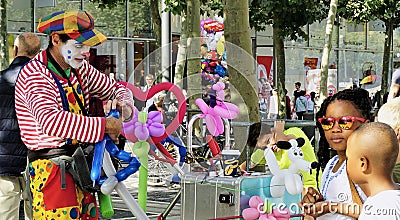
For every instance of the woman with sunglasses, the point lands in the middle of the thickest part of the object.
(338, 117)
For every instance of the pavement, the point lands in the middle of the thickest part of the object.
(158, 199)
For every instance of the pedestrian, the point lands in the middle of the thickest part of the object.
(301, 105)
(338, 117)
(52, 99)
(310, 102)
(273, 105)
(370, 163)
(149, 83)
(394, 90)
(13, 151)
(296, 92)
(288, 107)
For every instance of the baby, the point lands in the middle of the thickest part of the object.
(371, 153)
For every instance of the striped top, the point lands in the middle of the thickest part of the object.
(42, 120)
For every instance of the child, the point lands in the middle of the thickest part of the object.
(262, 136)
(338, 117)
(370, 162)
(389, 114)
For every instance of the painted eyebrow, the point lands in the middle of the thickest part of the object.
(78, 43)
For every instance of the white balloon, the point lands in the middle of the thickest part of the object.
(108, 186)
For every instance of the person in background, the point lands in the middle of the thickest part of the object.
(394, 90)
(389, 113)
(263, 106)
(13, 151)
(273, 105)
(141, 79)
(288, 106)
(296, 92)
(52, 96)
(149, 82)
(370, 163)
(301, 105)
(158, 103)
(310, 102)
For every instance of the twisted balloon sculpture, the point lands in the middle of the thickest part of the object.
(217, 110)
(144, 125)
(109, 145)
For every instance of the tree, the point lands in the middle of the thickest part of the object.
(287, 18)
(327, 48)
(388, 11)
(239, 56)
(3, 35)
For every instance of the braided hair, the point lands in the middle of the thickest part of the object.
(360, 99)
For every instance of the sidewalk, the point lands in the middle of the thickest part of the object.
(158, 198)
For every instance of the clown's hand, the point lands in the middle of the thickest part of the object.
(125, 110)
(113, 128)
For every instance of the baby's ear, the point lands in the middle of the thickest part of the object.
(364, 162)
(398, 134)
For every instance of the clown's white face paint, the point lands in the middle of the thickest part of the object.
(74, 53)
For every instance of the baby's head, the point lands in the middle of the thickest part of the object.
(371, 152)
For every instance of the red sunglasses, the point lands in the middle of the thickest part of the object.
(344, 122)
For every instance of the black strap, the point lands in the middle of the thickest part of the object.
(64, 75)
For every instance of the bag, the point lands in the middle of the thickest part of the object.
(80, 168)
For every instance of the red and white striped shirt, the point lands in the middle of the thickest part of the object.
(42, 120)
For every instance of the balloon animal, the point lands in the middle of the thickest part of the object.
(288, 178)
(218, 109)
(108, 144)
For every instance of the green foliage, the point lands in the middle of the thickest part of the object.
(287, 15)
(108, 3)
(359, 11)
(177, 7)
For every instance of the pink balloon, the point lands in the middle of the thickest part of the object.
(213, 124)
(226, 110)
(281, 214)
(255, 201)
(250, 214)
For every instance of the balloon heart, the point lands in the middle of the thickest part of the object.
(144, 96)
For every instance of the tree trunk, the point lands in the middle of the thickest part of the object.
(241, 67)
(327, 49)
(241, 64)
(181, 56)
(386, 57)
(193, 52)
(3, 36)
(280, 70)
(156, 18)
